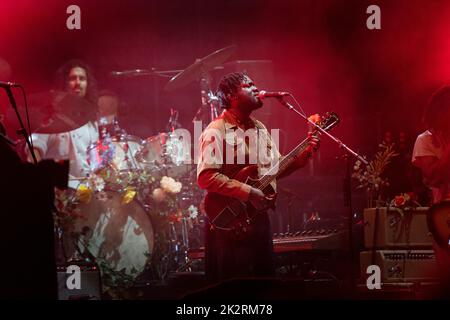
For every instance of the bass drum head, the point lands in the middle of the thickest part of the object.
(119, 236)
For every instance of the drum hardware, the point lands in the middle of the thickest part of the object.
(80, 254)
(199, 71)
(184, 261)
(173, 121)
(115, 148)
(195, 71)
(60, 251)
(144, 72)
(70, 253)
(117, 151)
(164, 154)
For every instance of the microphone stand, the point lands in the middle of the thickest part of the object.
(7, 139)
(208, 111)
(347, 184)
(22, 131)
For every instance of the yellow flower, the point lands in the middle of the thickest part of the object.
(129, 195)
(84, 193)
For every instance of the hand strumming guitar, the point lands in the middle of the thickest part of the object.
(259, 200)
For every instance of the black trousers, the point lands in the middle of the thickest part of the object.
(228, 256)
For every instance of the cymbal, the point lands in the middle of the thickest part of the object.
(200, 66)
(57, 112)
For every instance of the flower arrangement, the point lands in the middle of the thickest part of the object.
(404, 205)
(371, 177)
(405, 201)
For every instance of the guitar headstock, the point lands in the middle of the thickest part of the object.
(329, 121)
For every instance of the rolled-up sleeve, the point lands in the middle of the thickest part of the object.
(213, 181)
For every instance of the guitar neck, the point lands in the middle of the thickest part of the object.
(285, 162)
(281, 166)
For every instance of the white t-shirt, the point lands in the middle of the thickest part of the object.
(70, 145)
(425, 146)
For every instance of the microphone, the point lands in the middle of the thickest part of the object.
(272, 94)
(8, 84)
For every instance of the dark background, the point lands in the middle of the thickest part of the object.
(321, 51)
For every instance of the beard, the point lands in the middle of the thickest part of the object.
(253, 103)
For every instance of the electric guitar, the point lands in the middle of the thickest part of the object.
(438, 220)
(231, 214)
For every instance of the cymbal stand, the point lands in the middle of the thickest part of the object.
(209, 109)
(173, 123)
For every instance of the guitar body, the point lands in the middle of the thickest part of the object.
(438, 220)
(231, 214)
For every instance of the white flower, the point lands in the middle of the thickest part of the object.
(193, 211)
(357, 165)
(170, 185)
(97, 183)
(159, 195)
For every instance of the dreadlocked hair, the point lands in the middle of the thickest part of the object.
(228, 87)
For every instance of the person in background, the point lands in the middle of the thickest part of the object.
(431, 155)
(74, 77)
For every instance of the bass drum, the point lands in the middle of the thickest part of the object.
(119, 236)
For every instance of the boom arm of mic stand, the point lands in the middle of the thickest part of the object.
(339, 142)
(7, 139)
(347, 185)
(22, 129)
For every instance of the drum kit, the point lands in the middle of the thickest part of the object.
(137, 214)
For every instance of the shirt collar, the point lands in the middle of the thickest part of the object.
(231, 120)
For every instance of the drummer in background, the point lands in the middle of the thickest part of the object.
(74, 77)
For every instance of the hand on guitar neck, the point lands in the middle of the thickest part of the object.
(313, 145)
(302, 159)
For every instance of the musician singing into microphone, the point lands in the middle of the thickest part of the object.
(247, 251)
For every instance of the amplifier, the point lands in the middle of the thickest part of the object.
(78, 282)
(392, 229)
(401, 265)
